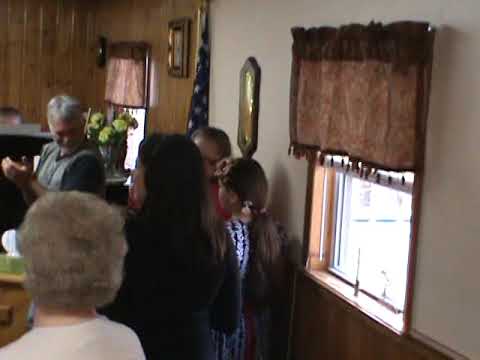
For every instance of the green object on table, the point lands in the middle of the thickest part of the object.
(11, 265)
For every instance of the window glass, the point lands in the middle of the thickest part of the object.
(372, 237)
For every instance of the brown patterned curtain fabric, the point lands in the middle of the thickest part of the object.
(362, 92)
(126, 75)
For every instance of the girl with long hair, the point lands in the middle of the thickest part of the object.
(256, 238)
(181, 275)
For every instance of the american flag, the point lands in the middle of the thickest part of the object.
(199, 105)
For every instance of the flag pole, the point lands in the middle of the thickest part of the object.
(198, 113)
(200, 19)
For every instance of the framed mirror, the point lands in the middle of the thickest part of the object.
(249, 107)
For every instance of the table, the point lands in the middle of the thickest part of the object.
(14, 305)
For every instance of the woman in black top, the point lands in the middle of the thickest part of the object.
(181, 273)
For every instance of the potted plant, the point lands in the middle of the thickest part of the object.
(111, 137)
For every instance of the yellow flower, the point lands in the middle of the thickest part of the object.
(94, 126)
(120, 125)
(97, 120)
(106, 135)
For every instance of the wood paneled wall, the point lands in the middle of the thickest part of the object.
(47, 47)
(325, 327)
(147, 20)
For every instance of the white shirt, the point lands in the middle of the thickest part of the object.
(96, 339)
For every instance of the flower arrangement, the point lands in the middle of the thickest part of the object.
(110, 137)
(100, 131)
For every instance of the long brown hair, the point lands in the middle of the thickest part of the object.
(246, 178)
(178, 200)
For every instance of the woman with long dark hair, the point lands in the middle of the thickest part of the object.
(181, 273)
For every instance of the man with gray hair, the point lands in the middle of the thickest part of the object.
(74, 247)
(67, 163)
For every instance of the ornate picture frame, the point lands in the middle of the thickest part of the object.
(247, 138)
(178, 47)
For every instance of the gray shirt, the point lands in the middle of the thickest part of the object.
(82, 170)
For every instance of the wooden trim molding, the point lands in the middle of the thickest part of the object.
(412, 256)
(315, 215)
(417, 197)
(308, 212)
(319, 240)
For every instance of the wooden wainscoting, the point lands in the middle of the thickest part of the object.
(47, 47)
(327, 328)
(147, 20)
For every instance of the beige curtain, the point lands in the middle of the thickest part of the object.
(126, 83)
(362, 92)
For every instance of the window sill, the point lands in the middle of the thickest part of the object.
(361, 302)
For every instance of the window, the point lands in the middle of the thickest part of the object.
(362, 92)
(135, 137)
(364, 240)
(372, 238)
(127, 89)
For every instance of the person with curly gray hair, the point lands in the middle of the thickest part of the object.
(74, 248)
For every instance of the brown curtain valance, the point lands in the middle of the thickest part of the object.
(126, 83)
(129, 50)
(362, 92)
